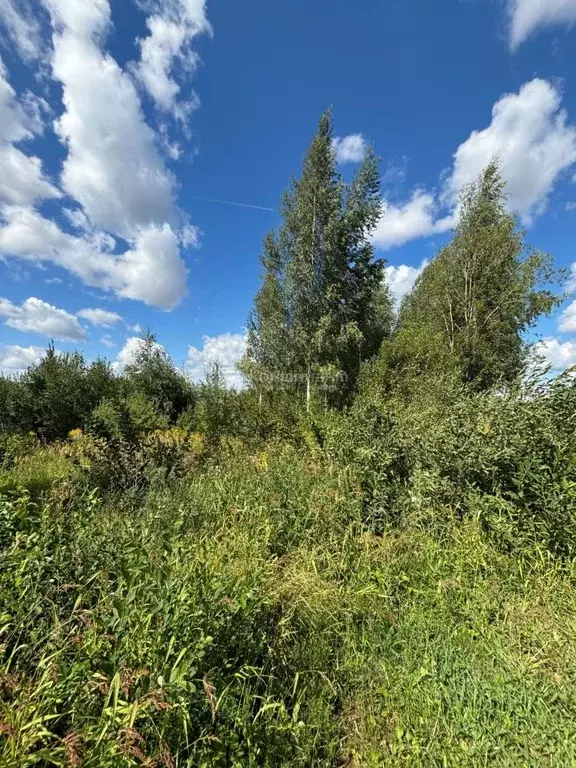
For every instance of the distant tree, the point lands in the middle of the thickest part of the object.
(214, 412)
(153, 375)
(62, 391)
(474, 302)
(323, 306)
(15, 407)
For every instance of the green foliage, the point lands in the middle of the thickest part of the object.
(507, 458)
(214, 413)
(323, 306)
(59, 393)
(246, 616)
(153, 377)
(473, 304)
(15, 406)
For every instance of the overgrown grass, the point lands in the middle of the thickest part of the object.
(246, 616)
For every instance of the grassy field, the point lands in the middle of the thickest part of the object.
(244, 615)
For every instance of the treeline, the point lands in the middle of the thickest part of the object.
(64, 392)
(324, 326)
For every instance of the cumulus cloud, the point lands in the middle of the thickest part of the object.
(113, 172)
(527, 16)
(15, 359)
(559, 354)
(417, 217)
(530, 135)
(151, 271)
(226, 349)
(37, 316)
(401, 279)
(112, 168)
(101, 318)
(349, 149)
(22, 180)
(172, 27)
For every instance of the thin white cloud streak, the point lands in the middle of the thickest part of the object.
(232, 202)
(101, 318)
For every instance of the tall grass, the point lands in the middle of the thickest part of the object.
(246, 615)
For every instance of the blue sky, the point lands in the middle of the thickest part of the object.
(122, 121)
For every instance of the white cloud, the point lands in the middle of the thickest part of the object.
(151, 271)
(349, 149)
(113, 172)
(20, 118)
(22, 180)
(227, 349)
(571, 284)
(530, 136)
(567, 321)
(560, 355)
(172, 26)
(15, 359)
(526, 16)
(534, 143)
(401, 279)
(100, 317)
(84, 18)
(37, 316)
(415, 218)
(571, 206)
(113, 168)
(21, 25)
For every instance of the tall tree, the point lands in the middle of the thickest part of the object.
(323, 306)
(483, 291)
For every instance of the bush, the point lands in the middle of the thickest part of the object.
(500, 455)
